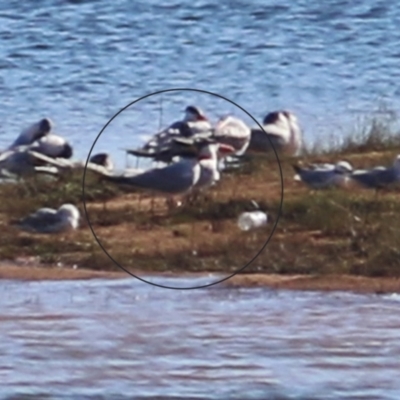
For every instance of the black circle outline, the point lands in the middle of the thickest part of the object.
(84, 199)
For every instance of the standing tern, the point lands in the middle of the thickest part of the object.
(181, 176)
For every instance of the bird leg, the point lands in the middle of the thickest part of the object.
(192, 232)
(152, 205)
(169, 203)
(139, 200)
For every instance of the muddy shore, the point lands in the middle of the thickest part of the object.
(337, 239)
(356, 284)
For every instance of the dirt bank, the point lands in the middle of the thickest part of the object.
(357, 284)
(338, 232)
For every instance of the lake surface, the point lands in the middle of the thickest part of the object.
(124, 339)
(79, 62)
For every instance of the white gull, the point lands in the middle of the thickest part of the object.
(38, 138)
(378, 177)
(48, 220)
(325, 175)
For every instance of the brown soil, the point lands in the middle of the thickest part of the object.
(356, 284)
(318, 243)
(8, 271)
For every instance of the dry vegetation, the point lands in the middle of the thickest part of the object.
(323, 232)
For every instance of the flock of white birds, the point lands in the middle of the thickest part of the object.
(191, 151)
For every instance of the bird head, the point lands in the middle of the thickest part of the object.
(193, 113)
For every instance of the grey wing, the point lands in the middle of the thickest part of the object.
(317, 178)
(19, 162)
(57, 162)
(5, 155)
(199, 129)
(162, 146)
(175, 178)
(324, 166)
(367, 179)
(179, 129)
(161, 139)
(44, 220)
(33, 132)
(385, 177)
(370, 179)
(259, 141)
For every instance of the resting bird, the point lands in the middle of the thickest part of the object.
(232, 131)
(48, 220)
(39, 139)
(103, 159)
(198, 167)
(324, 176)
(22, 162)
(378, 177)
(53, 146)
(34, 132)
(280, 128)
(194, 124)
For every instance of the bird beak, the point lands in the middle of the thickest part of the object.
(225, 149)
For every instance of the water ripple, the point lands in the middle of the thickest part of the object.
(101, 338)
(97, 56)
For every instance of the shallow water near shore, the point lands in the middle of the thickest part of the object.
(123, 339)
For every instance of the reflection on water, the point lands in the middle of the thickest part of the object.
(126, 339)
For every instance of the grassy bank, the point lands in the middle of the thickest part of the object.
(351, 231)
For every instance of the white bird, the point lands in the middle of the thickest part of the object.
(21, 162)
(103, 159)
(53, 146)
(282, 129)
(33, 133)
(48, 220)
(39, 138)
(194, 124)
(378, 177)
(324, 176)
(100, 162)
(234, 132)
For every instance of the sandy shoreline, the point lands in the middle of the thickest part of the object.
(357, 284)
(33, 273)
(348, 233)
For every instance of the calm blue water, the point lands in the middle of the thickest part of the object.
(124, 339)
(79, 62)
